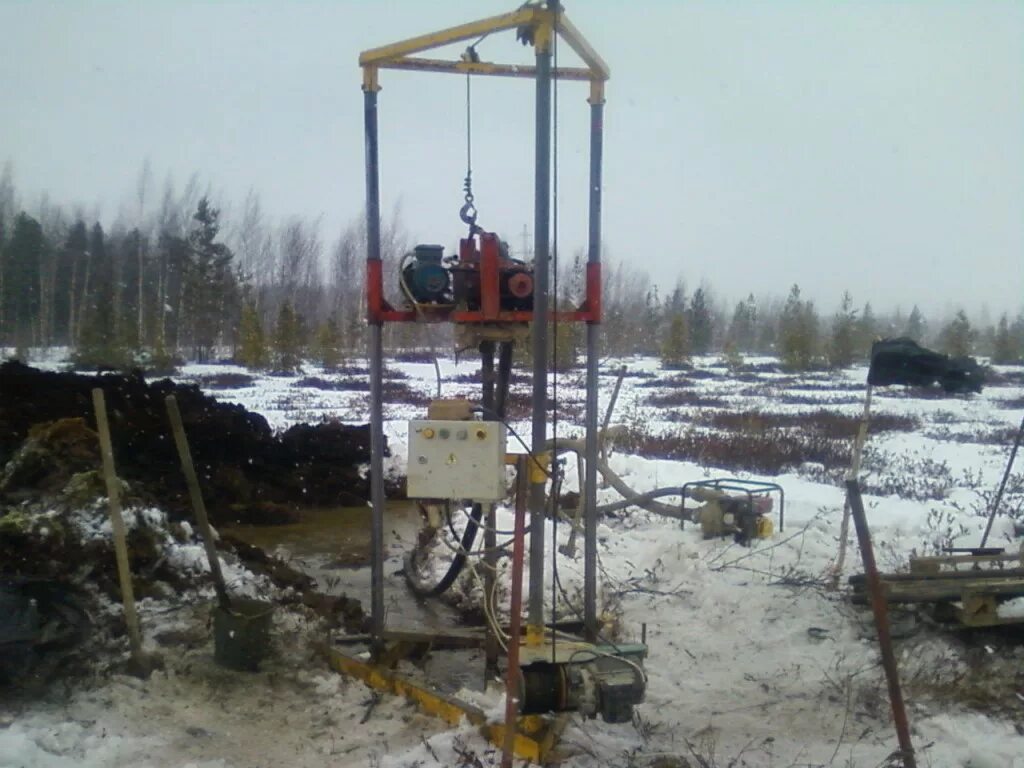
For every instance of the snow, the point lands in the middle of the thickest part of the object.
(751, 659)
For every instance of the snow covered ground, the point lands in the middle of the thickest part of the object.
(753, 662)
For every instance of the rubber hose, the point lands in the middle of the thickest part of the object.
(473, 524)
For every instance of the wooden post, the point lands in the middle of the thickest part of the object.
(124, 574)
(855, 459)
(197, 501)
(881, 612)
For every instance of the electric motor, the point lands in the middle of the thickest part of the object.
(604, 685)
(425, 278)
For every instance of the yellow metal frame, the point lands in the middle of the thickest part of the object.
(535, 735)
(543, 23)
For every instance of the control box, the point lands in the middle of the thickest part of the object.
(456, 460)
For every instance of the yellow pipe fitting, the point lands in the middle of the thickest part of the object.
(534, 635)
(539, 467)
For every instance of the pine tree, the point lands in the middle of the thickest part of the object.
(743, 328)
(287, 340)
(22, 261)
(842, 344)
(866, 332)
(958, 337)
(209, 280)
(798, 332)
(98, 345)
(1005, 350)
(675, 351)
(328, 343)
(252, 346)
(701, 326)
(915, 325)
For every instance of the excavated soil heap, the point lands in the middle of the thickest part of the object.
(247, 473)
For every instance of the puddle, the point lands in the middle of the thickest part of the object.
(333, 546)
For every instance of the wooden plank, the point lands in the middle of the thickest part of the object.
(936, 590)
(467, 638)
(857, 580)
(1005, 557)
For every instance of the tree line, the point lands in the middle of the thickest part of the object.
(177, 279)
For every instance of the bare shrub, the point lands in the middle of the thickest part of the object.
(685, 398)
(1013, 403)
(1014, 378)
(825, 422)
(671, 381)
(771, 451)
(980, 435)
(225, 381)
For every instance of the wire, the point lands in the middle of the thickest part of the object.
(516, 435)
(596, 653)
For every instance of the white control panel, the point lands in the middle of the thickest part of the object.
(456, 460)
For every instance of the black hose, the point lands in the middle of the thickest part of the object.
(473, 524)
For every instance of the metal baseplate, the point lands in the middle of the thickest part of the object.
(535, 735)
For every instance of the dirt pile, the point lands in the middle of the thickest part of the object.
(248, 474)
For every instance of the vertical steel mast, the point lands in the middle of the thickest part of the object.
(593, 337)
(376, 355)
(541, 258)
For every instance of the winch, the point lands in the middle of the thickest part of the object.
(481, 278)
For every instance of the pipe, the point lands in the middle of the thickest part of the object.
(376, 360)
(881, 611)
(541, 227)
(490, 535)
(593, 338)
(1002, 485)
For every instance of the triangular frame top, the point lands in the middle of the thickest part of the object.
(535, 23)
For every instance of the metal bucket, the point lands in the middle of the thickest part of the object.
(241, 635)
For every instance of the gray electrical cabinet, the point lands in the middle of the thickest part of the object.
(456, 460)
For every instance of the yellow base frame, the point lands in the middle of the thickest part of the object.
(535, 735)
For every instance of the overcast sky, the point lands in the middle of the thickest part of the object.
(870, 146)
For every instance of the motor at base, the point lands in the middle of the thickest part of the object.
(740, 517)
(606, 685)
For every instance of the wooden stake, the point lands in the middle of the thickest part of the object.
(855, 459)
(178, 429)
(880, 609)
(124, 574)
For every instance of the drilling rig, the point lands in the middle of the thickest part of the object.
(460, 452)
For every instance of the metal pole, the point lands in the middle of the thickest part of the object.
(593, 331)
(541, 225)
(881, 610)
(490, 534)
(512, 676)
(376, 358)
(1002, 486)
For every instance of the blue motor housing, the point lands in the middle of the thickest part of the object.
(426, 279)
